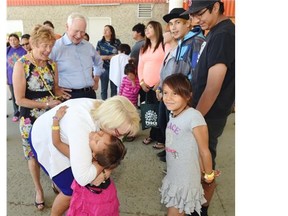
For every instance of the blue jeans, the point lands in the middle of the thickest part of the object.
(104, 78)
(215, 129)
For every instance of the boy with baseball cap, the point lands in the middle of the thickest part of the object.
(183, 58)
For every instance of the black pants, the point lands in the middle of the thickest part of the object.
(215, 129)
(163, 118)
(83, 93)
(204, 212)
(155, 133)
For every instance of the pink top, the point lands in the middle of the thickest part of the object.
(149, 65)
(129, 91)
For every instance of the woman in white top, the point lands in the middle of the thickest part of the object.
(116, 115)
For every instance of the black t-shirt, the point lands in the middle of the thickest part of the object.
(219, 48)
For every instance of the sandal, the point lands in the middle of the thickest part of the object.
(147, 141)
(39, 206)
(158, 145)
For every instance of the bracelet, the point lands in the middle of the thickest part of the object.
(47, 104)
(55, 128)
(55, 118)
(104, 174)
(210, 176)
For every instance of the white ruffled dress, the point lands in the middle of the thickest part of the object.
(181, 187)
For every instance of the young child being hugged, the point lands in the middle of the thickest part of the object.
(130, 83)
(187, 153)
(107, 153)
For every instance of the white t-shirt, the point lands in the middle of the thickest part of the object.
(75, 127)
(117, 66)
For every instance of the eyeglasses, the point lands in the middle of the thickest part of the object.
(198, 15)
(25, 44)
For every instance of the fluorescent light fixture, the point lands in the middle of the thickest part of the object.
(95, 5)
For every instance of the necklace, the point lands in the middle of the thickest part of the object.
(34, 60)
(174, 116)
(42, 78)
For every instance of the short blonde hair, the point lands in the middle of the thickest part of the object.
(114, 112)
(42, 33)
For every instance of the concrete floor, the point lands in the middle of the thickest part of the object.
(137, 178)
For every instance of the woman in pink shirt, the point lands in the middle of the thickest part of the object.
(151, 57)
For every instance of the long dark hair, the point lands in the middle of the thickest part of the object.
(159, 35)
(113, 35)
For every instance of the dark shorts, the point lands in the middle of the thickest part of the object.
(63, 180)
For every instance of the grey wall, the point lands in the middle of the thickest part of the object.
(123, 16)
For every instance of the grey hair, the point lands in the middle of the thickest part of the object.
(73, 16)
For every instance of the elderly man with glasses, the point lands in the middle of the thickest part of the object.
(214, 85)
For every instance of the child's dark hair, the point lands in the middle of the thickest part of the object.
(130, 67)
(180, 85)
(111, 157)
(124, 48)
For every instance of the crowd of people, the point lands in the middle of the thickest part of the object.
(187, 70)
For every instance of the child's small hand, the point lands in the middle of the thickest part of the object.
(61, 112)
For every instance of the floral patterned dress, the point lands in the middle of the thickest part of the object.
(35, 90)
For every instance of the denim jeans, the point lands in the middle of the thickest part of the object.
(215, 129)
(104, 78)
